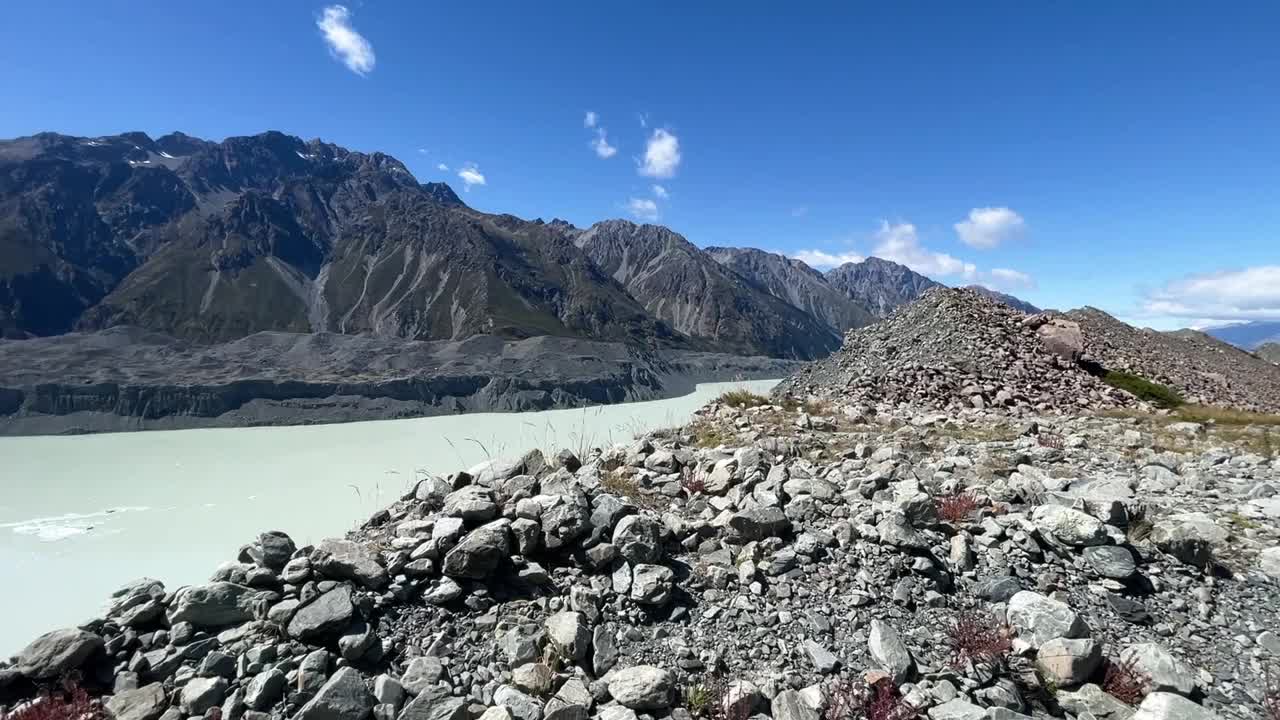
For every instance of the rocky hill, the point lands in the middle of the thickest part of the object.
(1269, 352)
(797, 284)
(1201, 368)
(685, 288)
(956, 349)
(761, 562)
(879, 285)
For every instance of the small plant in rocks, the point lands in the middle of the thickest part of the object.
(879, 701)
(1271, 695)
(699, 700)
(67, 702)
(975, 637)
(1051, 441)
(956, 508)
(1125, 681)
(691, 482)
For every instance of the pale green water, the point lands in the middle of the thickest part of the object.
(82, 515)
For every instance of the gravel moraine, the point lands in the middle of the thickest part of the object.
(752, 563)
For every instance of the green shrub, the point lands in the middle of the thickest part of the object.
(1143, 389)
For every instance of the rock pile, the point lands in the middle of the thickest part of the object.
(1203, 369)
(758, 577)
(956, 348)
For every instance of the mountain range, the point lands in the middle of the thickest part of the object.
(1248, 335)
(209, 242)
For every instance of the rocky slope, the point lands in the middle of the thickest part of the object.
(955, 349)
(685, 288)
(1203, 369)
(796, 284)
(762, 562)
(879, 285)
(1269, 352)
(131, 379)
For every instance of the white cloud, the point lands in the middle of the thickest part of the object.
(1006, 279)
(344, 42)
(602, 147)
(660, 192)
(470, 175)
(822, 259)
(423, 151)
(590, 120)
(988, 227)
(901, 244)
(1249, 294)
(644, 120)
(643, 209)
(661, 155)
(442, 167)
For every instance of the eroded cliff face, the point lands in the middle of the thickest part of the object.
(149, 381)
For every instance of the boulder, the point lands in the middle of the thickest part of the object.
(480, 552)
(889, 652)
(1111, 561)
(1166, 672)
(1069, 662)
(564, 523)
(474, 504)
(342, 697)
(1190, 537)
(430, 706)
(790, 705)
(265, 689)
(522, 706)
(642, 687)
(1169, 706)
(652, 584)
(57, 652)
(638, 538)
(326, 614)
(1062, 338)
(569, 634)
(421, 673)
(348, 560)
(216, 604)
(1040, 619)
(1068, 526)
(758, 524)
(145, 703)
(201, 694)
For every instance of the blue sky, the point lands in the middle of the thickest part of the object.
(1123, 155)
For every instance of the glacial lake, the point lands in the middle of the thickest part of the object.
(82, 515)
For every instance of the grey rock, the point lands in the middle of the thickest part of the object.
(200, 694)
(326, 614)
(642, 687)
(1068, 526)
(652, 584)
(55, 653)
(342, 697)
(889, 652)
(563, 524)
(474, 504)
(1039, 619)
(758, 524)
(823, 660)
(1167, 673)
(1190, 537)
(446, 590)
(388, 691)
(1090, 698)
(479, 553)
(145, 703)
(348, 560)
(605, 650)
(638, 539)
(1069, 662)
(1169, 706)
(522, 706)
(958, 709)
(569, 634)
(789, 705)
(535, 678)
(895, 530)
(1269, 562)
(421, 673)
(1111, 561)
(265, 689)
(520, 644)
(274, 549)
(216, 604)
(432, 707)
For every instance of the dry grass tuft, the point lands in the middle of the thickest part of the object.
(976, 637)
(1124, 681)
(956, 508)
(880, 701)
